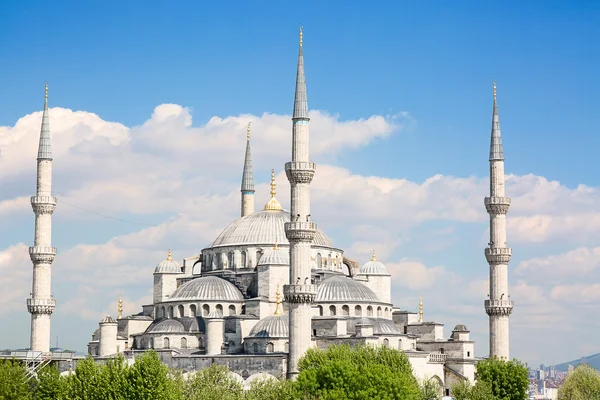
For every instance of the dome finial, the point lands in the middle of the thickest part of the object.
(169, 257)
(120, 307)
(373, 258)
(273, 204)
(248, 132)
(494, 89)
(276, 247)
(46, 91)
(278, 302)
(421, 309)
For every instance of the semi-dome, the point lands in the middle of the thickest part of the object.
(167, 326)
(207, 288)
(275, 256)
(340, 288)
(168, 266)
(264, 227)
(374, 267)
(274, 326)
(381, 326)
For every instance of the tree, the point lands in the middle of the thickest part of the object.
(430, 389)
(213, 383)
(14, 384)
(581, 384)
(509, 379)
(149, 378)
(270, 389)
(464, 390)
(362, 372)
(50, 385)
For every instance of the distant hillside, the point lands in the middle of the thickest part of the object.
(593, 360)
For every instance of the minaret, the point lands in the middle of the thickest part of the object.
(499, 305)
(300, 293)
(41, 304)
(247, 180)
(421, 309)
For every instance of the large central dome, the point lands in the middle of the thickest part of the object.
(262, 228)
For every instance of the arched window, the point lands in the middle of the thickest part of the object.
(163, 314)
(386, 342)
(244, 259)
(220, 309)
(157, 312)
(245, 374)
(358, 311)
(166, 343)
(329, 261)
(331, 310)
(399, 344)
(231, 260)
(192, 310)
(385, 312)
(379, 311)
(218, 261)
(321, 310)
(232, 310)
(369, 311)
(258, 254)
(255, 348)
(286, 347)
(269, 347)
(183, 343)
(345, 310)
(205, 309)
(200, 344)
(442, 350)
(170, 311)
(181, 312)
(319, 261)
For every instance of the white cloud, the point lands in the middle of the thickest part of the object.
(575, 264)
(15, 284)
(415, 275)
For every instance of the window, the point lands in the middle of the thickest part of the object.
(399, 344)
(245, 374)
(231, 259)
(183, 343)
(170, 311)
(205, 310)
(442, 350)
(319, 261)
(369, 311)
(386, 342)
(269, 347)
(468, 354)
(321, 310)
(200, 344)
(358, 311)
(220, 309)
(257, 257)
(314, 332)
(166, 343)
(379, 311)
(164, 312)
(244, 259)
(331, 310)
(232, 310)
(385, 312)
(193, 310)
(180, 312)
(345, 310)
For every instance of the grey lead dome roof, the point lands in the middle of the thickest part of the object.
(207, 288)
(168, 267)
(340, 288)
(374, 268)
(381, 326)
(262, 227)
(274, 326)
(275, 257)
(167, 326)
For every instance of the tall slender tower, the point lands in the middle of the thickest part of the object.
(41, 304)
(300, 293)
(247, 180)
(499, 306)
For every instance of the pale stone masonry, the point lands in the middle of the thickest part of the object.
(247, 188)
(41, 304)
(301, 292)
(498, 306)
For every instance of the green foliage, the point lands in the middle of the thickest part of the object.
(270, 389)
(464, 390)
(149, 378)
(50, 385)
(362, 372)
(431, 389)
(213, 383)
(14, 384)
(509, 379)
(581, 384)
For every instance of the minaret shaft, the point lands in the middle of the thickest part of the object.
(247, 189)
(499, 306)
(41, 304)
(300, 293)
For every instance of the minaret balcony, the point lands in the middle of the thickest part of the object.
(300, 293)
(498, 255)
(41, 306)
(497, 205)
(42, 254)
(501, 307)
(300, 171)
(300, 231)
(43, 204)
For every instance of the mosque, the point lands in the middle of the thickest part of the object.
(272, 284)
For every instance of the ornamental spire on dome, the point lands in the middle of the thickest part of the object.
(300, 100)
(496, 150)
(276, 247)
(278, 302)
(273, 204)
(169, 257)
(421, 309)
(248, 174)
(373, 258)
(45, 146)
(120, 307)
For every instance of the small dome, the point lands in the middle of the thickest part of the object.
(275, 256)
(274, 326)
(108, 320)
(340, 288)
(460, 328)
(381, 326)
(167, 326)
(374, 267)
(168, 266)
(207, 288)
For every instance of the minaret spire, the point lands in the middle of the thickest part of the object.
(300, 293)
(247, 179)
(41, 304)
(499, 306)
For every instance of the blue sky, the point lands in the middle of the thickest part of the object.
(433, 60)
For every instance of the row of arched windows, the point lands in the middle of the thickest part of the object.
(269, 348)
(192, 311)
(227, 260)
(381, 312)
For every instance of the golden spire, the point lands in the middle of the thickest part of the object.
(169, 257)
(273, 204)
(300, 36)
(248, 132)
(494, 89)
(373, 258)
(278, 302)
(276, 247)
(46, 90)
(421, 309)
(120, 307)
